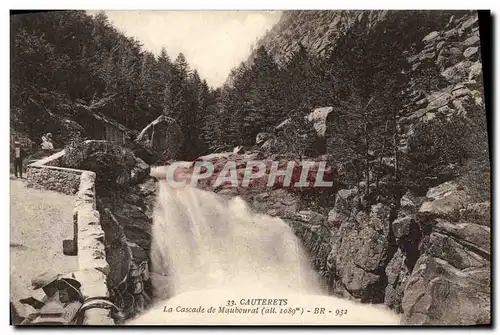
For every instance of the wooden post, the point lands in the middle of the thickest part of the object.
(70, 247)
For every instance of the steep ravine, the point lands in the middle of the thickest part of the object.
(426, 255)
(390, 255)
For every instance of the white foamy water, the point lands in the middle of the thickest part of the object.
(212, 251)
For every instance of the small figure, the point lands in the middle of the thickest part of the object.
(47, 142)
(18, 159)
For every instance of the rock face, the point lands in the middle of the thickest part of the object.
(261, 138)
(22, 138)
(446, 74)
(361, 246)
(46, 112)
(450, 283)
(351, 256)
(127, 220)
(125, 200)
(317, 31)
(422, 259)
(162, 137)
(428, 258)
(300, 134)
(429, 262)
(407, 237)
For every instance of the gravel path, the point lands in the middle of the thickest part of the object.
(39, 221)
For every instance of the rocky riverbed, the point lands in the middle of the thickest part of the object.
(427, 257)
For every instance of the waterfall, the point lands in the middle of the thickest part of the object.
(210, 242)
(212, 250)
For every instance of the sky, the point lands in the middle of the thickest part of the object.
(213, 42)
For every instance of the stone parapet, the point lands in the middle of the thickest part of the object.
(89, 235)
(45, 174)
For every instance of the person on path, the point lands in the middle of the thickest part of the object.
(18, 159)
(47, 142)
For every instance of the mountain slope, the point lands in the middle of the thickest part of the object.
(397, 232)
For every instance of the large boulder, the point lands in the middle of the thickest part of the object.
(127, 221)
(23, 138)
(458, 72)
(437, 293)
(261, 138)
(318, 118)
(163, 138)
(444, 201)
(114, 165)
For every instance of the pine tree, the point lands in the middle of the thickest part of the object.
(67, 57)
(368, 86)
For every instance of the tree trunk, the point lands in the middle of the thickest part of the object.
(396, 162)
(367, 162)
(382, 152)
(367, 156)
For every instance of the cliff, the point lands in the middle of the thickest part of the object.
(318, 30)
(425, 252)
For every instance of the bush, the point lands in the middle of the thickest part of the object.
(475, 173)
(443, 149)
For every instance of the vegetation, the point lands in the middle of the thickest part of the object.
(444, 149)
(62, 58)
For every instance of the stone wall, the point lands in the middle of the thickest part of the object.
(89, 236)
(111, 224)
(91, 251)
(47, 175)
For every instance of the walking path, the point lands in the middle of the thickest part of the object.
(39, 221)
